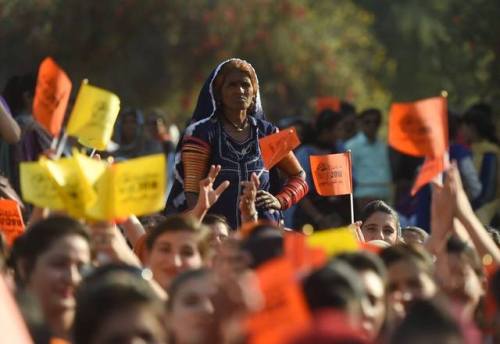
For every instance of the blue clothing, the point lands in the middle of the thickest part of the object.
(370, 166)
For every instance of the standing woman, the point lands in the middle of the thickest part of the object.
(225, 130)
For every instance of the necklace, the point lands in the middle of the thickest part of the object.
(239, 128)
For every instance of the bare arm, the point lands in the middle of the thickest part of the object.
(9, 129)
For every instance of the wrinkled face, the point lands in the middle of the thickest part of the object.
(138, 324)
(191, 318)
(172, 253)
(408, 282)
(237, 91)
(58, 272)
(374, 307)
(380, 226)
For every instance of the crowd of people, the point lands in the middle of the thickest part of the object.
(425, 269)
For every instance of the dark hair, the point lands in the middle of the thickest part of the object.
(327, 119)
(14, 91)
(480, 116)
(371, 112)
(409, 253)
(177, 223)
(454, 245)
(179, 281)
(364, 261)
(380, 206)
(39, 237)
(108, 291)
(336, 285)
(347, 108)
(212, 219)
(427, 320)
(264, 243)
(495, 287)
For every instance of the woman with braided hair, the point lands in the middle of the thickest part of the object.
(225, 130)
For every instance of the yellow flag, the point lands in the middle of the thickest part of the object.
(135, 186)
(93, 116)
(38, 186)
(75, 177)
(334, 241)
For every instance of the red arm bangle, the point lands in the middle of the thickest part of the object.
(294, 190)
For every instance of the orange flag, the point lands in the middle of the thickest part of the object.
(52, 92)
(276, 146)
(419, 128)
(323, 103)
(431, 168)
(302, 257)
(284, 310)
(332, 174)
(12, 326)
(11, 221)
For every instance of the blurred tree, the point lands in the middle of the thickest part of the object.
(446, 44)
(157, 53)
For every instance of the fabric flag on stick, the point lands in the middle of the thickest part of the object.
(324, 103)
(12, 326)
(53, 89)
(134, 187)
(38, 187)
(419, 128)
(276, 146)
(93, 116)
(301, 256)
(334, 241)
(431, 169)
(11, 220)
(284, 310)
(332, 174)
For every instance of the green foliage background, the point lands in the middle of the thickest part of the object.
(156, 53)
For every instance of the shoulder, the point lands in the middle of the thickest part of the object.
(265, 127)
(202, 129)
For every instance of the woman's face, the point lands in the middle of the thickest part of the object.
(138, 324)
(380, 226)
(191, 318)
(58, 272)
(237, 91)
(219, 232)
(374, 308)
(172, 253)
(408, 282)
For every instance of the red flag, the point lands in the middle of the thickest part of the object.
(276, 146)
(332, 174)
(52, 93)
(431, 168)
(419, 128)
(323, 103)
(11, 221)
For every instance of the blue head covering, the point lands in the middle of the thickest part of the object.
(206, 105)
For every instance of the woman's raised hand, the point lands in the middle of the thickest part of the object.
(247, 199)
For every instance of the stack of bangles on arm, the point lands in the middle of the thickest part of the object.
(294, 190)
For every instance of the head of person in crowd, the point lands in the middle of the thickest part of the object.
(478, 124)
(263, 243)
(156, 125)
(191, 309)
(329, 131)
(414, 235)
(370, 120)
(50, 258)
(219, 229)
(461, 275)
(129, 133)
(19, 92)
(335, 286)
(428, 322)
(380, 222)
(116, 304)
(177, 244)
(348, 122)
(372, 273)
(410, 277)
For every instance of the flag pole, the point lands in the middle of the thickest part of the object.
(92, 153)
(351, 198)
(62, 144)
